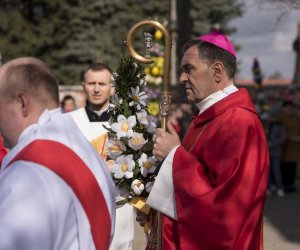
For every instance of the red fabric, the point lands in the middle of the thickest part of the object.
(66, 164)
(3, 151)
(220, 176)
(176, 126)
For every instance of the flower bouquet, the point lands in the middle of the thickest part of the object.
(130, 134)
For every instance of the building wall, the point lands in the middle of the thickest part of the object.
(76, 91)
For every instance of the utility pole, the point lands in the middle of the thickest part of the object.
(296, 46)
(173, 30)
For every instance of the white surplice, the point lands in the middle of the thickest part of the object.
(124, 227)
(38, 210)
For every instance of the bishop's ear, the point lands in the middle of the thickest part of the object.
(218, 70)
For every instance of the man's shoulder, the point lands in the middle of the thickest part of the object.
(78, 112)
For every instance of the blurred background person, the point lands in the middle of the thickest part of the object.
(176, 115)
(185, 119)
(256, 71)
(291, 151)
(276, 140)
(68, 104)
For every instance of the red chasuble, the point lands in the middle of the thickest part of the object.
(60, 159)
(220, 177)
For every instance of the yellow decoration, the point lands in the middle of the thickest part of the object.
(161, 71)
(160, 61)
(99, 144)
(153, 108)
(158, 35)
(155, 71)
(140, 204)
(147, 71)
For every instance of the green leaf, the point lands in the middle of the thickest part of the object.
(112, 134)
(127, 111)
(107, 128)
(125, 140)
(148, 147)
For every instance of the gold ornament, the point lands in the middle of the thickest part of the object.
(158, 35)
(155, 71)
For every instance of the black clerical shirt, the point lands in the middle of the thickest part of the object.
(93, 117)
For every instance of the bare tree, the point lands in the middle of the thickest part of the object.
(286, 5)
(283, 6)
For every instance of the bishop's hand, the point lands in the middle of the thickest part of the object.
(165, 141)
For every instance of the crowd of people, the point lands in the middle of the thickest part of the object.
(280, 120)
(56, 191)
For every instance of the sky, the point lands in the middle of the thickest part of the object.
(265, 32)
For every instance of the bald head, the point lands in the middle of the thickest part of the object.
(27, 88)
(32, 77)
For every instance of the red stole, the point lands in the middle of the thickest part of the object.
(2, 150)
(67, 165)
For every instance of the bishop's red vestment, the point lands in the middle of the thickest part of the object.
(220, 176)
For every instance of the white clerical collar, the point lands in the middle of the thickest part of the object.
(99, 113)
(215, 97)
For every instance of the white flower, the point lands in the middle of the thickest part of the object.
(142, 117)
(137, 186)
(115, 148)
(116, 101)
(146, 120)
(123, 127)
(137, 98)
(112, 80)
(158, 80)
(111, 106)
(147, 164)
(148, 78)
(123, 167)
(152, 124)
(143, 82)
(137, 141)
(149, 186)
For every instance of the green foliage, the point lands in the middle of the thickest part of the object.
(207, 13)
(127, 76)
(129, 103)
(71, 34)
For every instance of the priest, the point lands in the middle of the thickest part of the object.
(55, 191)
(91, 120)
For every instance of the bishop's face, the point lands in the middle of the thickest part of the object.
(196, 76)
